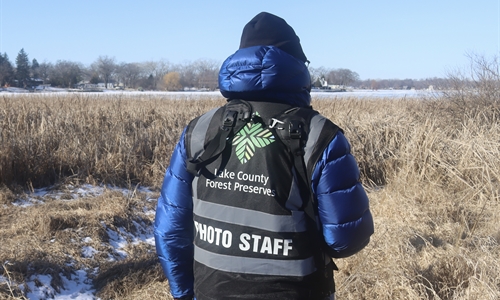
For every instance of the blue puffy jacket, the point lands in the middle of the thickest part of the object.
(264, 73)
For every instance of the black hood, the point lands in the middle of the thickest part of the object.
(266, 29)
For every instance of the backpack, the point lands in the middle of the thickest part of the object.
(292, 127)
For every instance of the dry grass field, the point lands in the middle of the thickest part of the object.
(431, 168)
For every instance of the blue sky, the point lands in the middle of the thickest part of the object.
(377, 39)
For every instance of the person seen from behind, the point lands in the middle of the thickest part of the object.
(262, 193)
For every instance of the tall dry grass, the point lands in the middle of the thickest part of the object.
(115, 139)
(432, 171)
(435, 198)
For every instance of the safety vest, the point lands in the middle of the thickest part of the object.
(254, 234)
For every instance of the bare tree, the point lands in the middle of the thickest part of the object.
(343, 77)
(317, 74)
(129, 74)
(346, 77)
(172, 82)
(479, 83)
(207, 72)
(202, 73)
(66, 73)
(155, 70)
(106, 68)
(44, 70)
(187, 75)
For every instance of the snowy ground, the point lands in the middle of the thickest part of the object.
(79, 285)
(194, 94)
(374, 94)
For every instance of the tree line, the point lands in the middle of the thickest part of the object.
(163, 75)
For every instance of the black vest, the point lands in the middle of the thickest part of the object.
(253, 239)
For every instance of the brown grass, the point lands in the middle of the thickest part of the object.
(432, 172)
(115, 139)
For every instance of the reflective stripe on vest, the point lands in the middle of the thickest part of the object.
(199, 132)
(316, 125)
(240, 216)
(257, 266)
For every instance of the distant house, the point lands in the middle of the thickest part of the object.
(102, 85)
(85, 85)
(41, 87)
(34, 82)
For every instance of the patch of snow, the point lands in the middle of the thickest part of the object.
(117, 241)
(87, 240)
(88, 251)
(144, 235)
(111, 258)
(78, 286)
(39, 287)
(374, 94)
(15, 90)
(26, 202)
(83, 191)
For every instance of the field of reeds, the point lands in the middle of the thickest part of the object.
(431, 168)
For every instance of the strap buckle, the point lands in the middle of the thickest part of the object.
(296, 129)
(275, 122)
(229, 118)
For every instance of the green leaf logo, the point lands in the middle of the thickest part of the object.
(249, 138)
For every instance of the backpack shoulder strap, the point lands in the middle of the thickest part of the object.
(301, 128)
(231, 118)
(297, 128)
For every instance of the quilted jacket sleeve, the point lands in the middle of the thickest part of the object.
(343, 205)
(173, 227)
